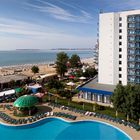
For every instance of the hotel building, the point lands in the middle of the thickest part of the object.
(119, 54)
(119, 47)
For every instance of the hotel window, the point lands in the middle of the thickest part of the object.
(120, 69)
(120, 56)
(120, 30)
(120, 43)
(120, 76)
(88, 96)
(120, 62)
(131, 18)
(99, 98)
(120, 24)
(120, 37)
(120, 49)
(120, 82)
(93, 97)
(120, 19)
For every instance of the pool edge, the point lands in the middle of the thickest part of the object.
(68, 121)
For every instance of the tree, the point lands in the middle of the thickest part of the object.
(127, 104)
(135, 103)
(90, 72)
(35, 69)
(54, 83)
(61, 62)
(24, 91)
(75, 61)
(118, 98)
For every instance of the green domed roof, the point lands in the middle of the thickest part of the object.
(26, 101)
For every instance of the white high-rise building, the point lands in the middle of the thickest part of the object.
(119, 47)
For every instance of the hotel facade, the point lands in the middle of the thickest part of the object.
(119, 47)
(119, 55)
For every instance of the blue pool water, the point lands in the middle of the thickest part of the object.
(56, 129)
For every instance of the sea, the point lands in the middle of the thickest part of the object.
(22, 57)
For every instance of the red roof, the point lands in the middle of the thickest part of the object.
(71, 77)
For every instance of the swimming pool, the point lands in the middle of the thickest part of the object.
(57, 129)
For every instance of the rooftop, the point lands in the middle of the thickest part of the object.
(8, 78)
(46, 75)
(95, 85)
(7, 92)
(36, 86)
(130, 11)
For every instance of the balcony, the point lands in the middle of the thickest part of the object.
(133, 74)
(133, 67)
(131, 59)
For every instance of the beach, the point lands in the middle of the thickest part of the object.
(44, 68)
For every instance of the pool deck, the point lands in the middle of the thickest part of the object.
(131, 132)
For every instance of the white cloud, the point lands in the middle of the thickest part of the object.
(20, 34)
(11, 26)
(62, 14)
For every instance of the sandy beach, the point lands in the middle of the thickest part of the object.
(43, 68)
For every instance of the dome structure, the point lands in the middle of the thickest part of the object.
(26, 101)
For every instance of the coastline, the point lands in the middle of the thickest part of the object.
(87, 60)
(44, 67)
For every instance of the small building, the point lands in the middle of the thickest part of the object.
(46, 77)
(7, 92)
(5, 81)
(34, 88)
(96, 92)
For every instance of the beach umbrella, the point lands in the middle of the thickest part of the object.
(82, 78)
(71, 77)
(70, 84)
(18, 90)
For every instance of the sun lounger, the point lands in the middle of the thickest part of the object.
(51, 113)
(87, 113)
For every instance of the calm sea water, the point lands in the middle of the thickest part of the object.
(8, 58)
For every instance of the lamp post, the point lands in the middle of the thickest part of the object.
(56, 100)
(49, 97)
(94, 108)
(68, 102)
(83, 106)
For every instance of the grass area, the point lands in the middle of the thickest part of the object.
(86, 106)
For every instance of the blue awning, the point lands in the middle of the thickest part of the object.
(95, 91)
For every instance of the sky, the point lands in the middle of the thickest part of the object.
(49, 24)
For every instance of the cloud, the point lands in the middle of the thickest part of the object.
(16, 27)
(60, 13)
(20, 34)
